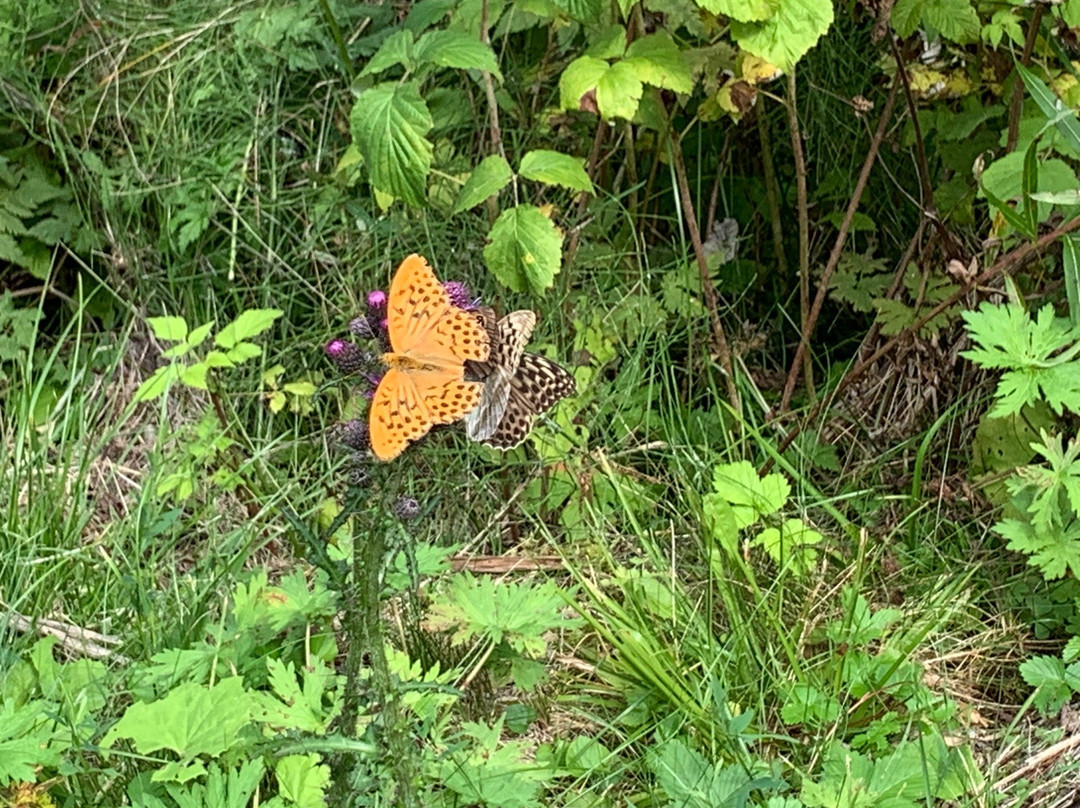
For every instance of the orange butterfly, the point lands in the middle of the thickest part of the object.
(425, 383)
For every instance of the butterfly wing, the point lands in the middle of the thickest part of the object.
(537, 386)
(398, 415)
(511, 334)
(447, 397)
(423, 324)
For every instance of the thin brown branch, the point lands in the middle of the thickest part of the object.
(803, 212)
(720, 343)
(772, 192)
(1016, 103)
(1011, 260)
(929, 208)
(838, 247)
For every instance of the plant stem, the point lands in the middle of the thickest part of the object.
(838, 248)
(720, 343)
(802, 207)
(1016, 103)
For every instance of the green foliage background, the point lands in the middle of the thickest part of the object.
(730, 571)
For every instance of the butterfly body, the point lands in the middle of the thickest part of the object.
(431, 340)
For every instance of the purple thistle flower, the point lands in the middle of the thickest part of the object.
(406, 509)
(360, 327)
(460, 295)
(348, 357)
(376, 299)
(355, 435)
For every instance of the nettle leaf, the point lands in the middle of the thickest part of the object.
(658, 61)
(390, 122)
(955, 20)
(580, 10)
(457, 49)
(785, 36)
(740, 10)
(487, 179)
(619, 91)
(191, 720)
(396, 49)
(525, 249)
(553, 168)
(579, 77)
(171, 329)
(249, 324)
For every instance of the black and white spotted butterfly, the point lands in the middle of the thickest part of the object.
(518, 386)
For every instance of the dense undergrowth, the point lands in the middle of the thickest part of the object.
(805, 536)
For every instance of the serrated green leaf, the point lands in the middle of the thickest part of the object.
(300, 388)
(525, 250)
(751, 497)
(619, 91)
(658, 61)
(171, 329)
(389, 122)
(303, 779)
(553, 168)
(396, 49)
(580, 10)
(198, 335)
(191, 720)
(424, 14)
(786, 36)
(195, 376)
(218, 359)
(579, 77)
(457, 49)
(955, 20)
(243, 351)
(248, 324)
(157, 384)
(609, 43)
(487, 179)
(741, 10)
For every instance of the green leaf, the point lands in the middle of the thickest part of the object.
(424, 14)
(786, 36)
(579, 77)
(740, 10)
(299, 388)
(751, 497)
(619, 91)
(396, 49)
(580, 10)
(658, 61)
(195, 376)
(171, 329)
(157, 384)
(553, 168)
(1052, 107)
(248, 324)
(955, 20)
(303, 779)
(790, 544)
(191, 720)
(390, 122)
(487, 179)
(1070, 256)
(243, 351)
(610, 43)
(525, 249)
(457, 49)
(199, 335)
